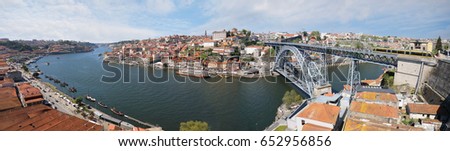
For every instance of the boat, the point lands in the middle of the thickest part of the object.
(90, 98)
(102, 105)
(197, 73)
(57, 81)
(117, 112)
(158, 65)
(47, 63)
(72, 89)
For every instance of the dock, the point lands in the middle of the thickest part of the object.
(141, 122)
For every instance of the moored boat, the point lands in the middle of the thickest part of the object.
(90, 98)
(197, 74)
(102, 105)
(116, 111)
(73, 89)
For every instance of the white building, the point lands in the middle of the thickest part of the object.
(253, 50)
(208, 43)
(219, 35)
(421, 111)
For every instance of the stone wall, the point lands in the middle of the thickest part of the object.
(439, 80)
(408, 72)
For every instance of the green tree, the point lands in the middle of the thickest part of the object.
(78, 100)
(272, 52)
(315, 34)
(388, 79)
(359, 45)
(35, 75)
(194, 126)
(24, 67)
(438, 46)
(291, 97)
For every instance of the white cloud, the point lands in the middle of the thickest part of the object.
(160, 7)
(114, 20)
(68, 20)
(293, 15)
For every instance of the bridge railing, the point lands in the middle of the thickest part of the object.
(358, 54)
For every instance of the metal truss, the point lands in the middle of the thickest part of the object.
(302, 70)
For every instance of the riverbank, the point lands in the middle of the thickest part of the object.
(66, 104)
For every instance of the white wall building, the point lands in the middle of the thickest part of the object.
(253, 50)
(422, 111)
(219, 35)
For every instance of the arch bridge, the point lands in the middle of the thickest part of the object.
(306, 65)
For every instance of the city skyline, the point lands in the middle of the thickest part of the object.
(111, 21)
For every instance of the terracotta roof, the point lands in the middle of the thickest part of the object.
(112, 127)
(34, 100)
(312, 127)
(320, 112)
(374, 109)
(28, 91)
(352, 124)
(7, 80)
(9, 99)
(347, 87)
(377, 96)
(423, 108)
(43, 118)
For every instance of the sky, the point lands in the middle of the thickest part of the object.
(116, 20)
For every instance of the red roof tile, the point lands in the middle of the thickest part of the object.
(320, 112)
(41, 117)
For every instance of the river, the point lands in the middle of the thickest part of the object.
(240, 104)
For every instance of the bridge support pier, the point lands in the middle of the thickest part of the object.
(353, 78)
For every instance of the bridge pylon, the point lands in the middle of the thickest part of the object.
(353, 78)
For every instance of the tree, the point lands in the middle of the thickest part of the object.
(305, 34)
(78, 100)
(272, 52)
(35, 75)
(359, 45)
(438, 46)
(244, 31)
(388, 79)
(315, 34)
(194, 126)
(291, 97)
(24, 67)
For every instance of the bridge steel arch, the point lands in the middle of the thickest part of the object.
(305, 73)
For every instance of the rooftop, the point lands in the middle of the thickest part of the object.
(423, 108)
(312, 127)
(374, 109)
(320, 112)
(352, 124)
(43, 118)
(374, 89)
(29, 91)
(377, 96)
(9, 99)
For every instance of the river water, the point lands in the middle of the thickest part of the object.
(231, 104)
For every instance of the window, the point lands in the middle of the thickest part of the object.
(303, 122)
